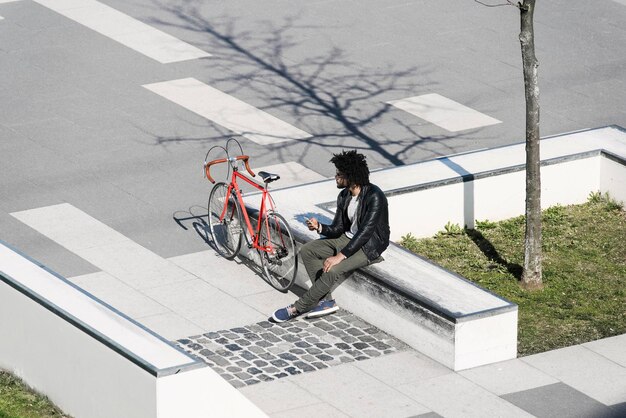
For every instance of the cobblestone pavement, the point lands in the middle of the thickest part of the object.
(266, 351)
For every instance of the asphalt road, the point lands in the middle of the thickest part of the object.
(77, 125)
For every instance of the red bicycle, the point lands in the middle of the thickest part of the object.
(272, 238)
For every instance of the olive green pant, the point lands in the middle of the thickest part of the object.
(313, 254)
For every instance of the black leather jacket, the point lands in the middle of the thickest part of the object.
(373, 220)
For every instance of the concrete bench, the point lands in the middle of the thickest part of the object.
(434, 310)
(93, 361)
(431, 309)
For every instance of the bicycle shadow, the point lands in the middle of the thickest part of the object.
(247, 258)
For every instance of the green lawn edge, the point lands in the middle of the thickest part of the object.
(17, 400)
(584, 270)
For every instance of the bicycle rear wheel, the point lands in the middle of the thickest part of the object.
(226, 232)
(278, 258)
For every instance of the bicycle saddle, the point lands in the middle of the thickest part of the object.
(268, 177)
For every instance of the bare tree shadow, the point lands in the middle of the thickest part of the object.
(334, 99)
(492, 254)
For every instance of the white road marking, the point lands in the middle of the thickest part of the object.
(443, 112)
(102, 246)
(227, 111)
(8, 1)
(126, 30)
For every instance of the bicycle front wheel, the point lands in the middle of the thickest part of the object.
(225, 221)
(278, 252)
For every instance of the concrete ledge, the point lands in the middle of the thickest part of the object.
(93, 361)
(434, 310)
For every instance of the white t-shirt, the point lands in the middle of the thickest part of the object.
(352, 207)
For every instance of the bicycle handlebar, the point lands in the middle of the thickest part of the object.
(244, 158)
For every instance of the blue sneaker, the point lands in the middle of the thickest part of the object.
(285, 314)
(324, 307)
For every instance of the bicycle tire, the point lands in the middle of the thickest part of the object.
(225, 234)
(280, 265)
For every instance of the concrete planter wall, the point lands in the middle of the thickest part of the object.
(500, 194)
(93, 361)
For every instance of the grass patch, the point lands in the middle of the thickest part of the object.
(18, 401)
(584, 271)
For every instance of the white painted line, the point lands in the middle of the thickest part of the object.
(8, 1)
(227, 111)
(1, 18)
(291, 174)
(126, 30)
(622, 2)
(443, 112)
(102, 246)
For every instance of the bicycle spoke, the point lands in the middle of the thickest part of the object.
(224, 221)
(280, 262)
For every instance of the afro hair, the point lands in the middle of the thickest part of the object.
(353, 166)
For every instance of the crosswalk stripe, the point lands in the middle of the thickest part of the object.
(227, 111)
(102, 246)
(126, 30)
(443, 112)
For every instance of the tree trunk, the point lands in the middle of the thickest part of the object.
(531, 277)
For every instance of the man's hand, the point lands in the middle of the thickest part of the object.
(330, 262)
(313, 224)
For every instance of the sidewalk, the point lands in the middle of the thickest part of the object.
(340, 366)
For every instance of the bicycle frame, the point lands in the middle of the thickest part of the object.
(233, 185)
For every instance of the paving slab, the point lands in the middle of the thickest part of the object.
(230, 276)
(613, 348)
(403, 368)
(452, 395)
(585, 371)
(269, 300)
(119, 295)
(204, 305)
(312, 411)
(170, 325)
(508, 376)
(559, 400)
(280, 396)
(357, 394)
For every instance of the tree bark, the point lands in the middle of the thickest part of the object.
(531, 277)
